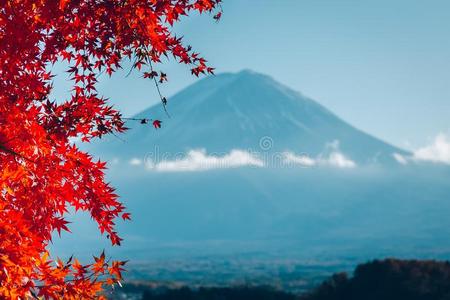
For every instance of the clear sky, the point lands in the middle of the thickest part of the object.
(381, 65)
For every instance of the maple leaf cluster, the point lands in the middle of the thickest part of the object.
(42, 173)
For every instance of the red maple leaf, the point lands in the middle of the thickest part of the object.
(157, 124)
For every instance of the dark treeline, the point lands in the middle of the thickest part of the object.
(389, 279)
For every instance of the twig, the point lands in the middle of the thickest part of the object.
(132, 67)
(163, 99)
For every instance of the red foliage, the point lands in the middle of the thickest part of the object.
(157, 124)
(42, 174)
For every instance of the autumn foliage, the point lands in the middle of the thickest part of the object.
(42, 173)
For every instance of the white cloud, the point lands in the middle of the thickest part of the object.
(303, 160)
(339, 160)
(334, 158)
(135, 162)
(400, 158)
(438, 151)
(199, 160)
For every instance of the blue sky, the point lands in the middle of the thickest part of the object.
(383, 66)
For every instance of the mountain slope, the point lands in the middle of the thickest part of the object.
(235, 111)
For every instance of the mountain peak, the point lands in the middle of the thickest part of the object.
(245, 74)
(248, 71)
(253, 75)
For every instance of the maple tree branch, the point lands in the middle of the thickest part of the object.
(118, 137)
(162, 98)
(132, 67)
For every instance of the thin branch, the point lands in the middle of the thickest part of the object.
(161, 97)
(132, 67)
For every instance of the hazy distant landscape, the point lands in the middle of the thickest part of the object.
(388, 279)
(251, 182)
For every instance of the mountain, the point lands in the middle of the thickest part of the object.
(241, 111)
(354, 200)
